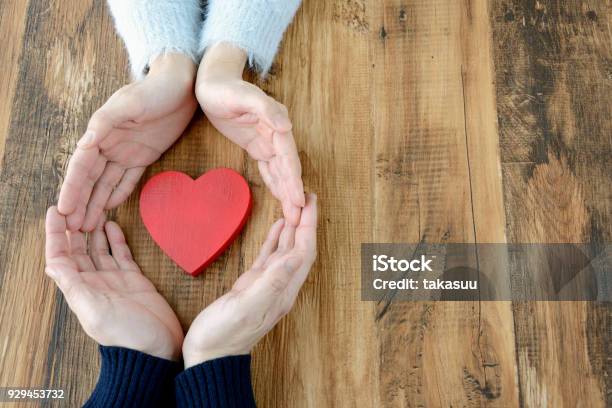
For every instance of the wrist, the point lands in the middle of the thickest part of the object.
(191, 359)
(168, 353)
(179, 67)
(222, 59)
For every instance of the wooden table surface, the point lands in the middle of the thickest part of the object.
(434, 120)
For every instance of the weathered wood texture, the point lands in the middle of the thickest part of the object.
(433, 120)
(553, 65)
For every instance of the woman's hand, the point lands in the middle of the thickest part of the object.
(130, 131)
(253, 120)
(114, 302)
(235, 322)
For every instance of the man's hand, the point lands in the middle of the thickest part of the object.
(235, 322)
(253, 120)
(114, 302)
(130, 131)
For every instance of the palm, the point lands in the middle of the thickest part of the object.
(130, 304)
(235, 322)
(114, 302)
(148, 125)
(132, 130)
(221, 102)
(256, 122)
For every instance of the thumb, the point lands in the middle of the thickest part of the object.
(99, 127)
(123, 106)
(250, 98)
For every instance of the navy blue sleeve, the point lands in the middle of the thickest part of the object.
(129, 378)
(220, 383)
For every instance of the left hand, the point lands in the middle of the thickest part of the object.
(256, 122)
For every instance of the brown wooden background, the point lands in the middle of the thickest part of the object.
(442, 120)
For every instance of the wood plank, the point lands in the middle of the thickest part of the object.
(553, 91)
(438, 180)
(57, 88)
(496, 325)
(395, 107)
(12, 26)
(322, 354)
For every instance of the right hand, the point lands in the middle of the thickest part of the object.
(130, 131)
(235, 322)
(114, 302)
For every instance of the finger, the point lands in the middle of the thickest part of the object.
(78, 251)
(75, 220)
(287, 238)
(268, 247)
(119, 248)
(270, 244)
(77, 175)
(289, 166)
(298, 279)
(124, 105)
(101, 193)
(56, 241)
(100, 253)
(305, 247)
(268, 178)
(59, 264)
(277, 116)
(264, 131)
(306, 231)
(291, 212)
(282, 122)
(271, 284)
(272, 179)
(128, 183)
(260, 149)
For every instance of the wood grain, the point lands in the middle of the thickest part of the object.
(553, 90)
(425, 120)
(437, 162)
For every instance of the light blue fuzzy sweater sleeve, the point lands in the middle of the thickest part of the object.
(257, 26)
(150, 28)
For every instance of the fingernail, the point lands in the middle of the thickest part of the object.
(87, 139)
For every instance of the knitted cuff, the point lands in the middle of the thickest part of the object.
(150, 28)
(223, 382)
(129, 378)
(256, 26)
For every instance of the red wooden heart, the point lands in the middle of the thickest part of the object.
(194, 221)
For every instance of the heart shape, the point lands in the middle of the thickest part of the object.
(194, 221)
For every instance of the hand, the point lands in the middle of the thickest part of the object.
(254, 121)
(130, 131)
(235, 322)
(114, 302)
